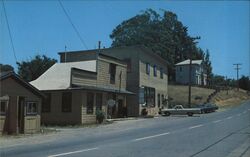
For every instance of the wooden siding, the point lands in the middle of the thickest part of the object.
(13, 89)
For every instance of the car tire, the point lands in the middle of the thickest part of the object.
(190, 114)
(167, 113)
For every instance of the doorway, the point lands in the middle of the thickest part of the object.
(20, 109)
(122, 110)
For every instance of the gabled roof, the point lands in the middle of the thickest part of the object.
(187, 62)
(58, 76)
(12, 74)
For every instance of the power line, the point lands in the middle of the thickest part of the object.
(237, 70)
(11, 39)
(71, 22)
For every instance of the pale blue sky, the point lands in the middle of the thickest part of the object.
(40, 27)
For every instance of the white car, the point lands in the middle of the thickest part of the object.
(180, 110)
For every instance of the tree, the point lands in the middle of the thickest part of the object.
(165, 35)
(32, 69)
(6, 67)
(244, 83)
(208, 66)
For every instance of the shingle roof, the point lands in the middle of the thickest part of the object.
(188, 62)
(58, 77)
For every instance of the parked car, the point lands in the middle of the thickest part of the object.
(207, 108)
(180, 110)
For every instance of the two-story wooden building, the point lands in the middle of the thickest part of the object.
(147, 75)
(198, 73)
(76, 90)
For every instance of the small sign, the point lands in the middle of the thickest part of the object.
(111, 102)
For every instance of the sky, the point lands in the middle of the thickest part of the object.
(41, 27)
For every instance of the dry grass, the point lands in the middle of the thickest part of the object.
(230, 98)
(179, 93)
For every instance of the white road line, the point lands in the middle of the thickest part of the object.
(196, 126)
(153, 136)
(245, 112)
(217, 121)
(74, 152)
(229, 117)
(239, 114)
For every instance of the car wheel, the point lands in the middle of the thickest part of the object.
(167, 113)
(202, 112)
(190, 114)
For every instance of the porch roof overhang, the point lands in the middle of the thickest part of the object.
(96, 88)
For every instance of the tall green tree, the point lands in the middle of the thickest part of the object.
(164, 34)
(31, 69)
(6, 67)
(208, 66)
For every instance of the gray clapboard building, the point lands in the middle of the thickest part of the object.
(198, 74)
(147, 75)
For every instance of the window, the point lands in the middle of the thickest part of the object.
(66, 101)
(98, 101)
(128, 61)
(148, 68)
(161, 73)
(162, 99)
(46, 103)
(90, 103)
(31, 108)
(3, 106)
(149, 94)
(112, 72)
(155, 70)
(159, 100)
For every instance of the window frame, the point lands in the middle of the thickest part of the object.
(155, 70)
(148, 68)
(161, 73)
(28, 107)
(65, 107)
(91, 110)
(159, 100)
(112, 72)
(98, 107)
(5, 107)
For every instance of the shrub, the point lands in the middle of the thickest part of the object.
(100, 115)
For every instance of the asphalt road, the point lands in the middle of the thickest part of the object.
(219, 134)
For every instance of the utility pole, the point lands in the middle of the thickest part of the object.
(237, 70)
(189, 84)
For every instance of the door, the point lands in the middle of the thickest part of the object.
(20, 117)
(122, 111)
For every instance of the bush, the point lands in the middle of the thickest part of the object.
(100, 115)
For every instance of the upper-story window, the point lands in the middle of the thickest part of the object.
(112, 72)
(148, 68)
(155, 70)
(161, 73)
